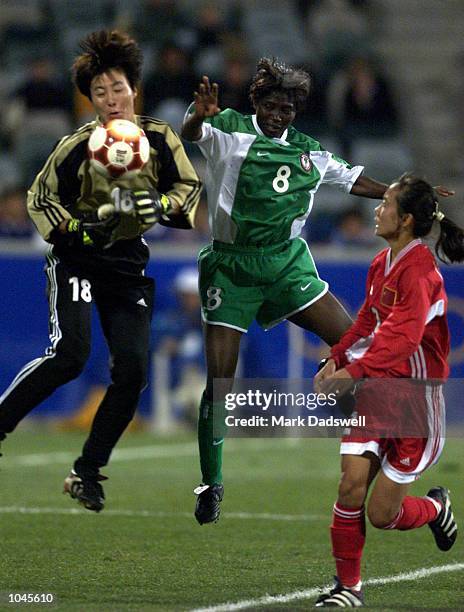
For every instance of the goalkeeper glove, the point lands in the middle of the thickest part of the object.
(90, 230)
(150, 205)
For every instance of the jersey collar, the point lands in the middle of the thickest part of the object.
(282, 140)
(137, 121)
(402, 253)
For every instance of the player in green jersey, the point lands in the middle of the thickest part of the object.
(261, 178)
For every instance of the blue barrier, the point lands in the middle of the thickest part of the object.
(24, 331)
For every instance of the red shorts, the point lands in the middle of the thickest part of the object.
(404, 459)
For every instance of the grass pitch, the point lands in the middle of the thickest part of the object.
(146, 552)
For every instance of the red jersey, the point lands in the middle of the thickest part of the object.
(401, 329)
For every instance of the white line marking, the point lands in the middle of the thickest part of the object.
(268, 600)
(184, 449)
(120, 454)
(260, 516)
(274, 517)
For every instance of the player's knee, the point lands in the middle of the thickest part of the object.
(71, 361)
(130, 371)
(218, 388)
(351, 491)
(74, 369)
(380, 517)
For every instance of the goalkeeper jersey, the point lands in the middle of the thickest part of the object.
(68, 186)
(260, 189)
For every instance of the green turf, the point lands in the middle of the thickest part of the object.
(165, 561)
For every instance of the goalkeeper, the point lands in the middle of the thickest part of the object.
(102, 261)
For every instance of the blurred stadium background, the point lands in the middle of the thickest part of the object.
(387, 84)
(387, 93)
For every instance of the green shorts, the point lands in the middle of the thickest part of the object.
(269, 284)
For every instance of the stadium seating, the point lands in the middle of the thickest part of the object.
(32, 147)
(272, 29)
(383, 158)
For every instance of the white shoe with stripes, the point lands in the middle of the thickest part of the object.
(444, 528)
(340, 597)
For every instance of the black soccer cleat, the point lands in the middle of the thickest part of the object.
(88, 492)
(340, 597)
(444, 528)
(207, 508)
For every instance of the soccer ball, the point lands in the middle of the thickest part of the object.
(118, 149)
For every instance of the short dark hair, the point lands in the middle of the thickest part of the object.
(273, 75)
(418, 198)
(105, 50)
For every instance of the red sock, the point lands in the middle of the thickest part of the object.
(415, 512)
(348, 531)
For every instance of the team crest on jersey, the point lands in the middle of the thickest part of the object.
(388, 297)
(306, 162)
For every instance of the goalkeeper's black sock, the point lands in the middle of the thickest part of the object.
(211, 432)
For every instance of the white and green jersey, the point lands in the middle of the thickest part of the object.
(261, 189)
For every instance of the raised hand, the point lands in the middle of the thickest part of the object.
(206, 99)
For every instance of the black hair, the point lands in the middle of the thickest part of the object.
(105, 50)
(273, 75)
(418, 198)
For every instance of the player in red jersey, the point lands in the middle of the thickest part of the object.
(400, 333)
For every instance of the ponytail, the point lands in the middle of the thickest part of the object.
(418, 198)
(450, 242)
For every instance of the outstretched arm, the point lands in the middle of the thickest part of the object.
(370, 188)
(206, 105)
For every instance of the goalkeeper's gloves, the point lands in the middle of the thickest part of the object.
(90, 230)
(147, 205)
(150, 205)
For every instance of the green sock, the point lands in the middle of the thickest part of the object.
(211, 432)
